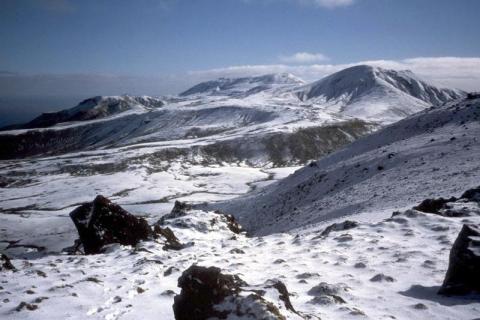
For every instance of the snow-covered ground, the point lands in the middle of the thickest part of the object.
(430, 154)
(391, 269)
(385, 268)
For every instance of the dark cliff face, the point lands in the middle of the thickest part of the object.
(282, 148)
(45, 142)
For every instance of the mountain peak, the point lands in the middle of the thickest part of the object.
(235, 86)
(374, 93)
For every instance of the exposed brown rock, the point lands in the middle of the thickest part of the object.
(103, 222)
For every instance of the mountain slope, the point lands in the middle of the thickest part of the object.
(93, 108)
(376, 94)
(433, 153)
(244, 86)
(273, 118)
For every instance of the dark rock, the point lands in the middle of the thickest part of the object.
(326, 293)
(169, 271)
(6, 264)
(360, 265)
(324, 288)
(420, 306)
(208, 294)
(179, 210)
(306, 275)
(434, 205)
(473, 95)
(232, 224)
(464, 264)
(202, 288)
(284, 295)
(103, 222)
(168, 293)
(237, 251)
(172, 242)
(327, 300)
(382, 278)
(345, 225)
(28, 306)
(344, 238)
(472, 194)
(457, 213)
(4, 181)
(40, 273)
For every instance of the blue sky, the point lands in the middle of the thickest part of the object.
(57, 52)
(152, 37)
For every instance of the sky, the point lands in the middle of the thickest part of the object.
(79, 48)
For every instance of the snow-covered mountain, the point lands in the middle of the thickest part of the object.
(430, 154)
(224, 150)
(93, 108)
(273, 118)
(375, 93)
(244, 86)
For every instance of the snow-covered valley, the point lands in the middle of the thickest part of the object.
(240, 145)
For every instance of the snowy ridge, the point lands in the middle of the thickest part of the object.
(202, 149)
(433, 153)
(375, 93)
(245, 86)
(99, 107)
(230, 111)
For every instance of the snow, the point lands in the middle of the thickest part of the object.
(412, 249)
(432, 153)
(279, 104)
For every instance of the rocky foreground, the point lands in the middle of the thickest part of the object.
(195, 264)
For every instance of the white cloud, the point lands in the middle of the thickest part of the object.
(329, 3)
(304, 58)
(455, 72)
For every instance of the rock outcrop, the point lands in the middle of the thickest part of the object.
(464, 266)
(202, 289)
(443, 206)
(472, 194)
(433, 205)
(103, 222)
(232, 223)
(208, 293)
(171, 241)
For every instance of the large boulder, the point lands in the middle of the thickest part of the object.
(463, 275)
(207, 293)
(433, 205)
(103, 222)
(202, 288)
